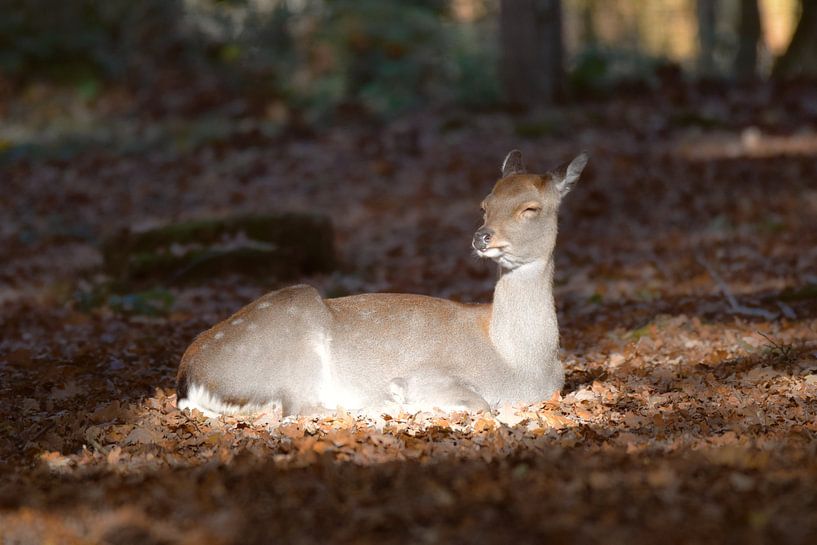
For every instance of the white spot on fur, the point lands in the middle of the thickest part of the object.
(263, 304)
(218, 335)
(237, 321)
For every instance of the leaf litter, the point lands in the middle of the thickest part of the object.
(680, 417)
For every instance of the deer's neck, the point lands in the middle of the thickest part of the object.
(523, 316)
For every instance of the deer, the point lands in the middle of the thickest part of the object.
(294, 351)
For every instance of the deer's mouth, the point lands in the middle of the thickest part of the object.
(502, 255)
(492, 252)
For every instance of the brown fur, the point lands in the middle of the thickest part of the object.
(295, 348)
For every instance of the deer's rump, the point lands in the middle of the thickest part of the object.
(292, 349)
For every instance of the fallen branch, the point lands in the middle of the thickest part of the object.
(734, 306)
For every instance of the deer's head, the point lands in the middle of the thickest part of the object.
(520, 214)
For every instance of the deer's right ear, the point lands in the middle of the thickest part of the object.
(513, 164)
(566, 179)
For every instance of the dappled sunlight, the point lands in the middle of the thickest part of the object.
(749, 143)
(644, 427)
(155, 154)
(670, 396)
(647, 411)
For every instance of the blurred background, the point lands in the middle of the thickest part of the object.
(125, 116)
(67, 68)
(164, 162)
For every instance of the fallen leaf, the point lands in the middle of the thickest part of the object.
(143, 436)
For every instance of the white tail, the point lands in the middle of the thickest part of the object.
(297, 351)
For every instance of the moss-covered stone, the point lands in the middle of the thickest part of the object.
(281, 245)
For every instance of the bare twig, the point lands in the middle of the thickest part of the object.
(787, 311)
(41, 431)
(734, 306)
(772, 342)
(784, 352)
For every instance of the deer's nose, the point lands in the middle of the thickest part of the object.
(482, 238)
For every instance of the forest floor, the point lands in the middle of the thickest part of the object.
(686, 287)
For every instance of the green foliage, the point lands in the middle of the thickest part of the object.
(80, 41)
(383, 57)
(380, 56)
(591, 70)
(596, 70)
(472, 65)
(357, 54)
(151, 302)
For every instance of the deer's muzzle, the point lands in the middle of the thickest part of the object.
(482, 238)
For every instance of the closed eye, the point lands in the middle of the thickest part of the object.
(529, 210)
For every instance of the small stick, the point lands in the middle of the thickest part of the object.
(735, 307)
(787, 311)
(41, 431)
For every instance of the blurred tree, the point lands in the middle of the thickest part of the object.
(749, 36)
(706, 11)
(75, 41)
(800, 59)
(588, 34)
(382, 55)
(531, 41)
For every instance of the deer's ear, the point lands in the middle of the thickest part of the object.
(566, 178)
(513, 164)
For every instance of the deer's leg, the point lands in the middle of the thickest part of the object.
(436, 391)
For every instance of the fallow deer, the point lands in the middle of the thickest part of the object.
(294, 350)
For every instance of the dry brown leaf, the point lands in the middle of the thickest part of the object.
(143, 436)
(584, 414)
(555, 420)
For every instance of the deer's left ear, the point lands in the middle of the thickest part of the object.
(567, 178)
(513, 164)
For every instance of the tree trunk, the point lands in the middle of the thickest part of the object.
(531, 41)
(748, 38)
(800, 59)
(589, 36)
(707, 10)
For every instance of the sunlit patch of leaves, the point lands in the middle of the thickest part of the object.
(687, 410)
